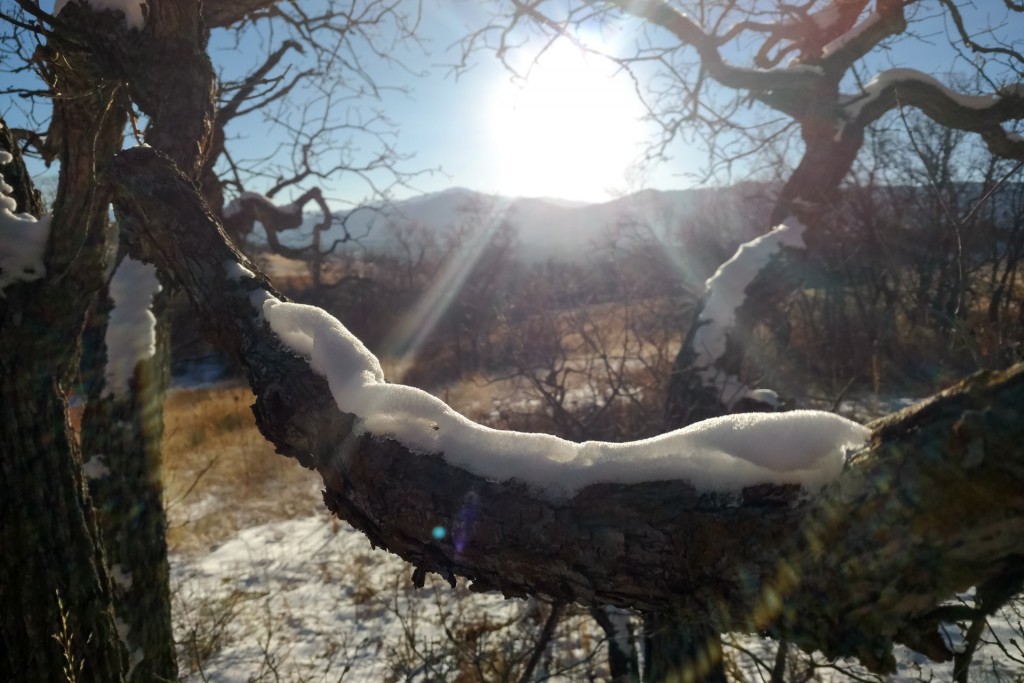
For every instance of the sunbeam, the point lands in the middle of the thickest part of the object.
(405, 339)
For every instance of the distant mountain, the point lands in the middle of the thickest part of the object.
(545, 227)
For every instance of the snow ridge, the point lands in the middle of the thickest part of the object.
(722, 454)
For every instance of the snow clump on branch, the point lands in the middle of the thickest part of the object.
(22, 238)
(131, 327)
(721, 454)
(725, 294)
(132, 9)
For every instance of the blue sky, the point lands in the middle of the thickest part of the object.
(571, 131)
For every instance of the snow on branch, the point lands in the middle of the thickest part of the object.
(132, 10)
(721, 454)
(893, 78)
(981, 114)
(854, 34)
(726, 293)
(131, 327)
(22, 238)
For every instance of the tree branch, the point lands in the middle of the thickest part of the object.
(690, 33)
(935, 505)
(982, 114)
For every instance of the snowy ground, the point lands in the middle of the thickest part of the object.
(305, 598)
(309, 600)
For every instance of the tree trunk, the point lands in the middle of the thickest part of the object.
(121, 435)
(623, 662)
(49, 535)
(172, 82)
(676, 651)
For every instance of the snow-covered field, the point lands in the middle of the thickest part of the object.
(308, 600)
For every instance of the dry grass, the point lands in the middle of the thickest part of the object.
(220, 475)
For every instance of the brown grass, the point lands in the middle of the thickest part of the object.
(220, 475)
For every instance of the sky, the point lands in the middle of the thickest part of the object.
(572, 130)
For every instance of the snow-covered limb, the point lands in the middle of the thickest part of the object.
(725, 294)
(722, 454)
(894, 78)
(22, 238)
(983, 113)
(852, 35)
(131, 327)
(932, 507)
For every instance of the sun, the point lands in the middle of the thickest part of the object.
(571, 130)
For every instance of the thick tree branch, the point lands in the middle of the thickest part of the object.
(887, 20)
(982, 114)
(935, 505)
(245, 211)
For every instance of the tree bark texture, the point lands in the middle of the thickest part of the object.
(168, 75)
(50, 540)
(934, 505)
(123, 432)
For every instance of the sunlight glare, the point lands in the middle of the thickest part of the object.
(571, 130)
(401, 344)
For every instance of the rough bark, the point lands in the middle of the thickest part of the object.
(935, 505)
(48, 555)
(95, 63)
(170, 78)
(123, 431)
(40, 321)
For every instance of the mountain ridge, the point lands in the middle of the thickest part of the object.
(545, 227)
